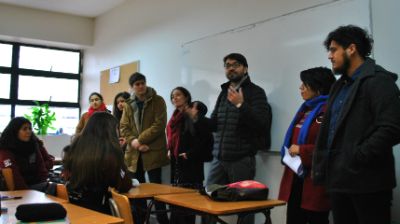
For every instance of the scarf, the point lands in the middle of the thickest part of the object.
(315, 105)
(174, 129)
(24, 149)
(102, 107)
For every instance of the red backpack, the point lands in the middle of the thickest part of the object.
(238, 191)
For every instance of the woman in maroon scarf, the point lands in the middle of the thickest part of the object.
(96, 104)
(188, 141)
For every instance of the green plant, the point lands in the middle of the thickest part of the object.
(42, 118)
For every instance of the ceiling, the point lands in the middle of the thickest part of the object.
(87, 8)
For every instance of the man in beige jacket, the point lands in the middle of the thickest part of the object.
(143, 126)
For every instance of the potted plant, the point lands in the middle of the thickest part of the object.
(42, 118)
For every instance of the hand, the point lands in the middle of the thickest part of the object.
(122, 141)
(143, 148)
(169, 154)
(235, 97)
(294, 150)
(135, 143)
(183, 155)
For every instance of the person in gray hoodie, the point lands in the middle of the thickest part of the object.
(353, 157)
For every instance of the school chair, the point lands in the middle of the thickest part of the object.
(62, 192)
(124, 208)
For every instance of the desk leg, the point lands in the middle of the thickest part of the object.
(149, 208)
(267, 214)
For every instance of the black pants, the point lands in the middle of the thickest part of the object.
(154, 177)
(297, 215)
(369, 208)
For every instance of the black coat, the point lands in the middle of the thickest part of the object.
(241, 132)
(196, 141)
(360, 158)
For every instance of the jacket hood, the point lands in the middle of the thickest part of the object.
(149, 94)
(372, 66)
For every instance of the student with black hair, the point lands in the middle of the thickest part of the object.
(353, 156)
(25, 154)
(306, 203)
(94, 162)
(119, 102)
(143, 123)
(189, 142)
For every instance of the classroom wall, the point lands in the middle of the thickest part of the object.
(38, 26)
(153, 32)
(385, 13)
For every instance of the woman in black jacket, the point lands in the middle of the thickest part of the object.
(189, 144)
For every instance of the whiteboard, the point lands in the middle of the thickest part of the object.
(277, 49)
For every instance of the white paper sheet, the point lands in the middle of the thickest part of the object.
(293, 163)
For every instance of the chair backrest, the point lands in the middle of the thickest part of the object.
(113, 208)
(62, 192)
(9, 178)
(123, 205)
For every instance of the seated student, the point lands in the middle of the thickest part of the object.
(25, 154)
(94, 162)
(96, 104)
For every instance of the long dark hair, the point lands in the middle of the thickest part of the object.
(116, 112)
(185, 93)
(94, 158)
(9, 137)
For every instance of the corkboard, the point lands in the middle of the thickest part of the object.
(110, 90)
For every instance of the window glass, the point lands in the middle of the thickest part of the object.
(5, 55)
(5, 116)
(49, 60)
(48, 89)
(66, 118)
(5, 80)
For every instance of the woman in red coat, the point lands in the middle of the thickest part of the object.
(24, 153)
(307, 203)
(96, 105)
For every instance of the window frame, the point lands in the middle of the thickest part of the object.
(16, 72)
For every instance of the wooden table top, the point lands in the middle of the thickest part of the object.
(75, 214)
(149, 190)
(202, 203)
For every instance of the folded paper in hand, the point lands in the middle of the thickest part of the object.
(293, 163)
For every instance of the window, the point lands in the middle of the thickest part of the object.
(5, 54)
(5, 80)
(31, 73)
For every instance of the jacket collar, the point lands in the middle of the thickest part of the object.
(246, 82)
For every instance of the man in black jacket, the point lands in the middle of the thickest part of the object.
(354, 151)
(241, 121)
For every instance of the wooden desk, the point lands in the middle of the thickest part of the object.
(75, 214)
(149, 190)
(203, 205)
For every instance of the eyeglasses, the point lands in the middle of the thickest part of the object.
(234, 65)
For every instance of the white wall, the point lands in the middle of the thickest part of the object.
(153, 32)
(37, 26)
(385, 17)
